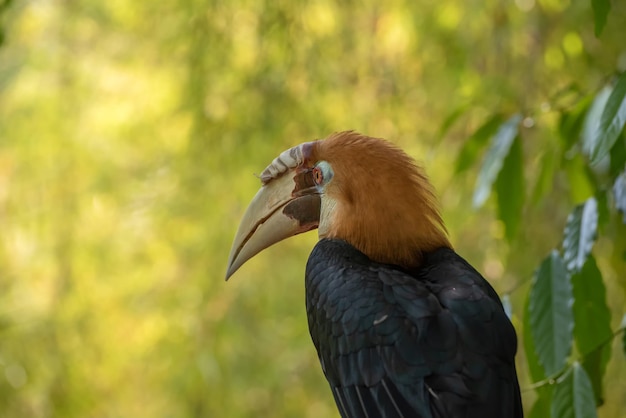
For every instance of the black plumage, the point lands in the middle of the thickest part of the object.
(432, 342)
(403, 326)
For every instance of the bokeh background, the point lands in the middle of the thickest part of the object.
(130, 133)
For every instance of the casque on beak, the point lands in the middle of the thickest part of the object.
(285, 206)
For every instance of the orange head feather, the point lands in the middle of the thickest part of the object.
(379, 200)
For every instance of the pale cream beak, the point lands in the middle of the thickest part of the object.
(279, 210)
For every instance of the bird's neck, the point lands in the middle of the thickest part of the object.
(389, 233)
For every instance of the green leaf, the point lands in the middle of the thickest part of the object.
(619, 193)
(600, 13)
(500, 146)
(588, 134)
(536, 370)
(592, 323)
(573, 396)
(595, 365)
(611, 122)
(580, 234)
(510, 190)
(545, 180)
(584, 405)
(475, 143)
(551, 317)
(591, 313)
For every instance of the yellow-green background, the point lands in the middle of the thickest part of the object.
(130, 133)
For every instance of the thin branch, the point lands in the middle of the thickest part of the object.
(561, 374)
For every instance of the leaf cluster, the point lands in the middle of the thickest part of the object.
(567, 322)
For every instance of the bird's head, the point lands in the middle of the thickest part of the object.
(363, 190)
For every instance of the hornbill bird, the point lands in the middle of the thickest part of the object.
(403, 326)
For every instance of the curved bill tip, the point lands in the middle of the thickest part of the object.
(273, 215)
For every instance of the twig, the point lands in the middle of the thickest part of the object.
(562, 374)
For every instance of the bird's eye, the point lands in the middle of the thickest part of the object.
(322, 173)
(318, 176)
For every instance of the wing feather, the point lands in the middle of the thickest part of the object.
(432, 344)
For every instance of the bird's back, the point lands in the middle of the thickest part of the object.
(430, 343)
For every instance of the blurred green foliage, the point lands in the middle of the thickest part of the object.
(129, 136)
